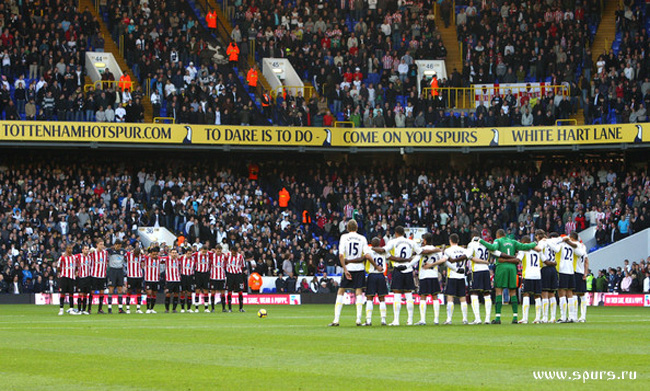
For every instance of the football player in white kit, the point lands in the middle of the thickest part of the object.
(532, 275)
(375, 282)
(565, 252)
(581, 266)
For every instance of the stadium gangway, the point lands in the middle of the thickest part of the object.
(566, 122)
(350, 123)
(307, 91)
(100, 85)
(467, 97)
(162, 120)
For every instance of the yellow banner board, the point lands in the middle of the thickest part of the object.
(12, 131)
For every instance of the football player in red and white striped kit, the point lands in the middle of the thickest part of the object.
(152, 277)
(98, 273)
(187, 280)
(172, 278)
(84, 281)
(134, 274)
(218, 277)
(202, 262)
(235, 276)
(66, 269)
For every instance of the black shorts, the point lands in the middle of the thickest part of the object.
(376, 285)
(99, 284)
(567, 281)
(532, 286)
(549, 279)
(429, 286)
(580, 285)
(402, 281)
(481, 281)
(84, 285)
(202, 281)
(66, 285)
(173, 286)
(115, 276)
(235, 282)
(151, 286)
(134, 284)
(187, 283)
(218, 285)
(455, 287)
(358, 280)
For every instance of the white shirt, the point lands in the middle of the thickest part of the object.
(380, 260)
(454, 252)
(422, 260)
(477, 250)
(531, 264)
(564, 257)
(352, 246)
(579, 260)
(403, 248)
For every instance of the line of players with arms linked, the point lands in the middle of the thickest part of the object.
(549, 265)
(207, 273)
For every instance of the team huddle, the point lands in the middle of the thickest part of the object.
(205, 273)
(549, 265)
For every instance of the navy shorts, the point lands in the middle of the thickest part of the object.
(580, 285)
(455, 287)
(376, 285)
(202, 281)
(187, 283)
(481, 281)
(402, 281)
(235, 282)
(358, 280)
(151, 286)
(532, 286)
(567, 281)
(134, 284)
(84, 285)
(549, 279)
(429, 286)
(218, 285)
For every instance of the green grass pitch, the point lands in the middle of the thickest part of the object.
(293, 349)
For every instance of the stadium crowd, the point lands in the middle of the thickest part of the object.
(287, 217)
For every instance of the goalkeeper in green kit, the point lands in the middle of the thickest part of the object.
(505, 274)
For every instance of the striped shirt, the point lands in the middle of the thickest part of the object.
(218, 267)
(134, 265)
(84, 265)
(99, 264)
(151, 269)
(235, 263)
(172, 268)
(187, 265)
(67, 265)
(202, 261)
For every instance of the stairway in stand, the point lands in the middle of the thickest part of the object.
(450, 40)
(111, 46)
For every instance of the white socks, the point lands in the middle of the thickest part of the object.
(526, 308)
(488, 308)
(563, 307)
(436, 309)
(553, 308)
(409, 307)
(359, 303)
(369, 310)
(463, 309)
(583, 308)
(423, 309)
(450, 310)
(397, 307)
(538, 309)
(338, 307)
(544, 310)
(382, 310)
(573, 308)
(475, 308)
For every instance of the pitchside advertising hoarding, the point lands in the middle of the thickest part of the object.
(280, 299)
(202, 135)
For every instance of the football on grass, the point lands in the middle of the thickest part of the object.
(262, 313)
